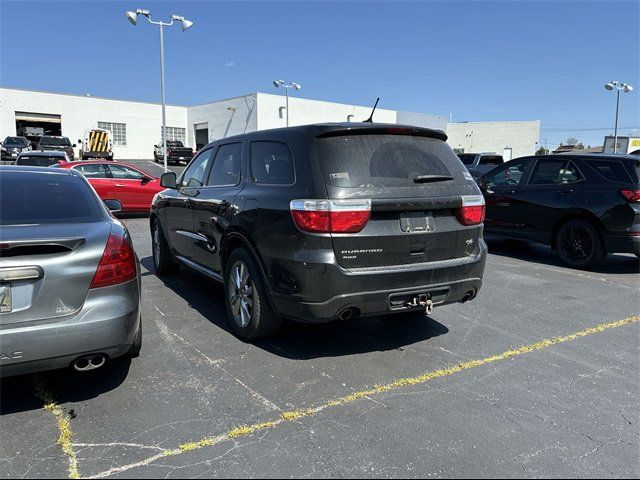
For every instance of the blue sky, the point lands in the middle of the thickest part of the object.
(518, 60)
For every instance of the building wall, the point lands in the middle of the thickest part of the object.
(437, 122)
(224, 117)
(303, 111)
(143, 120)
(478, 137)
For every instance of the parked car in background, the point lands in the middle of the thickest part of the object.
(324, 222)
(69, 277)
(132, 187)
(176, 152)
(584, 206)
(97, 143)
(42, 159)
(12, 147)
(480, 163)
(61, 144)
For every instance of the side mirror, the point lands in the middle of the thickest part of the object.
(168, 180)
(114, 206)
(79, 141)
(73, 145)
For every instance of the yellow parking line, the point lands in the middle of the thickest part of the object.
(294, 415)
(65, 440)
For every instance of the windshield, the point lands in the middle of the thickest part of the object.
(36, 198)
(15, 142)
(55, 141)
(383, 160)
(467, 158)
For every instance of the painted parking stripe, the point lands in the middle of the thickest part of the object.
(294, 415)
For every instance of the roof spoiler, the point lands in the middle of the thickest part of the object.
(386, 130)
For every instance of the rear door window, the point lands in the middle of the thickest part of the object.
(271, 163)
(28, 198)
(226, 167)
(383, 160)
(467, 158)
(555, 172)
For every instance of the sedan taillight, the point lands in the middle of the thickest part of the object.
(472, 211)
(118, 263)
(331, 216)
(632, 196)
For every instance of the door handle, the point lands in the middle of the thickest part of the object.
(566, 191)
(120, 185)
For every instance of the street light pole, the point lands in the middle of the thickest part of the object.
(133, 18)
(626, 88)
(280, 83)
(164, 112)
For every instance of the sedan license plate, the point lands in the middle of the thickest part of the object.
(5, 298)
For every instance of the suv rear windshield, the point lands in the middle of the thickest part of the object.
(382, 160)
(36, 198)
(55, 141)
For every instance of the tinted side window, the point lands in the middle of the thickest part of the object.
(194, 175)
(271, 163)
(555, 172)
(92, 171)
(511, 174)
(226, 167)
(614, 171)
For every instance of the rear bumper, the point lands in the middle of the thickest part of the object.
(107, 323)
(377, 292)
(622, 244)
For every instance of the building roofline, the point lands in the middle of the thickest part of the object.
(2, 87)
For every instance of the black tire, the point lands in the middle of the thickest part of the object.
(254, 318)
(134, 351)
(163, 260)
(579, 244)
(155, 158)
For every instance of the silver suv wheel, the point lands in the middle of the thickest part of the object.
(240, 292)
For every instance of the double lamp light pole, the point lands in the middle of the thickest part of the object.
(626, 88)
(133, 18)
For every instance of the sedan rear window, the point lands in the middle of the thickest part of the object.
(383, 160)
(55, 141)
(37, 198)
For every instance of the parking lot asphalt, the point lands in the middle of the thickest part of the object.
(474, 390)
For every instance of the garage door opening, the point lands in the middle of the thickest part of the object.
(35, 125)
(202, 134)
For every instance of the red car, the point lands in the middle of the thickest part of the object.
(134, 188)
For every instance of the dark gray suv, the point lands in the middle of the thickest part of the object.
(325, 222)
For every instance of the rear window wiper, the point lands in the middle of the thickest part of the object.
(432, 178)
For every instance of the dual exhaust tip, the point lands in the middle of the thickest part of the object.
(89, 362)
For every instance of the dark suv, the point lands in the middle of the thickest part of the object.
(324, 222)
(584, 206)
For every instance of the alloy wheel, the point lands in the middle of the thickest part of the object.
(577, 244)
(240, 290)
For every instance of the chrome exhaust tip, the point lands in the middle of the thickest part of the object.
(346, 314)
(89, 362)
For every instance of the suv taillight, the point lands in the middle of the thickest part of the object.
(472, 210)
(632, 196)
(118, 263)
(331, 216)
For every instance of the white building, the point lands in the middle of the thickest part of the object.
(136, 126)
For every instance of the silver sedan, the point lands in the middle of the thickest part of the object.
(69, 277)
